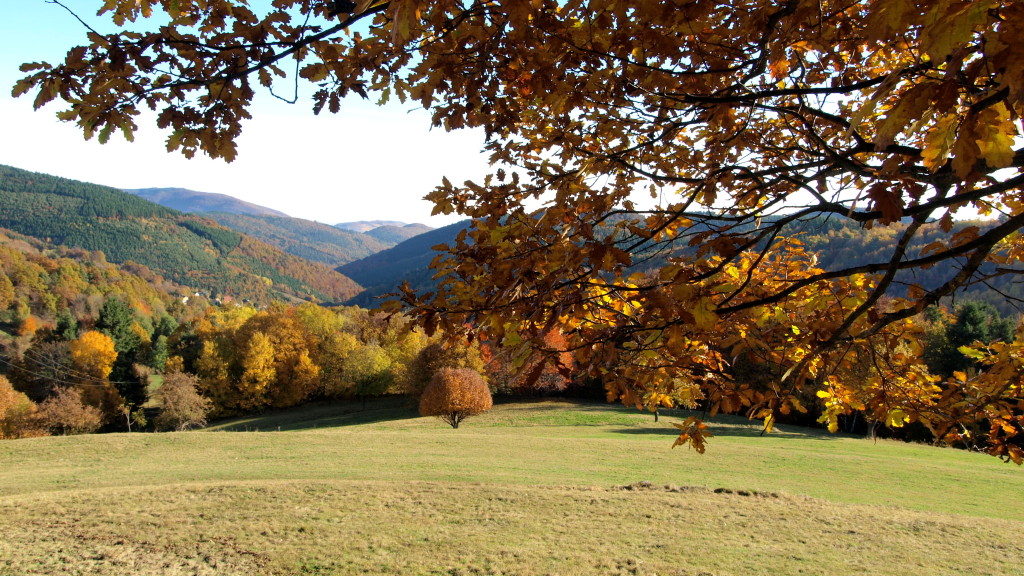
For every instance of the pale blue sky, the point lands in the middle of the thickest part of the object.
(365, 163)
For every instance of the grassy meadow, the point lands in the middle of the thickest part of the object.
(531, 488)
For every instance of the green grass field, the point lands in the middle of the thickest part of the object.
(534, 488)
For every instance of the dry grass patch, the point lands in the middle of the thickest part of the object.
(286, 528)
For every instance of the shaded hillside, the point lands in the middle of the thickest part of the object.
(187, 249)
(190, 201)
(304, 238)
(392, 235)
(838, 244)
(317, 242)
(406, 262)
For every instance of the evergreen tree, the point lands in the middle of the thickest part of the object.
(67, 325)
(974, 322)
(118, 321)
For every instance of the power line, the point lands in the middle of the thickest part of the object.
(68, 370)
(58, 380)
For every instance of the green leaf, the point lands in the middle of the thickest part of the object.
(971, 352)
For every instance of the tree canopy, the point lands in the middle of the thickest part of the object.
(695, 135)
(455, 394)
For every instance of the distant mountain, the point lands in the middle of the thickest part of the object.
(367, 225)
(191, 201)
(305, 238)
(392, 235)
(409, 261)
(837, 242)
(331, 245)
(187, 249)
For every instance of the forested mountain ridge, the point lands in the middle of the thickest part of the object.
(314, 241)
(42, 280)
(304, 238)
(81, 339)
(187, 249)
(191, 201)
(834, 242)
(839, 243)
(396, 234)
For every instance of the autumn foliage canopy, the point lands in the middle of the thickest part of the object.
(654, 163)
(455, 394)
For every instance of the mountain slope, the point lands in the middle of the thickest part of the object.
(406, 262)
(190, 201)
(331, 245)
(187, 249)
(838, 244)
(304, 238)
(43, 280)
(392, 235)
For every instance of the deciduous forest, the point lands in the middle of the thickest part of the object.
(86, 345)
(187, 249)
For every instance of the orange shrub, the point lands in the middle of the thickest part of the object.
(17, 413)
(455, 394)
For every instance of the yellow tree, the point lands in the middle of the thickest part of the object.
(332, 355)
(303, 380)
(296, 377)
(93, 356)
(212, 370)
(258, 372)
(697, 137)
(219, 354)
(8, 396)
(329, 347)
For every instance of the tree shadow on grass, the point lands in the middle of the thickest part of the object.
(321, 415)
(740, 432)
(731, 426)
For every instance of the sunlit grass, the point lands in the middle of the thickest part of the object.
(531, 488)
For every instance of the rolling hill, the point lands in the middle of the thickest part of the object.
(366, 225)
(190, 201)
(397, 234)
(184, 248)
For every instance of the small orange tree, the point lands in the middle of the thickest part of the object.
(66, 413)
(455, 394)
(17, 413)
